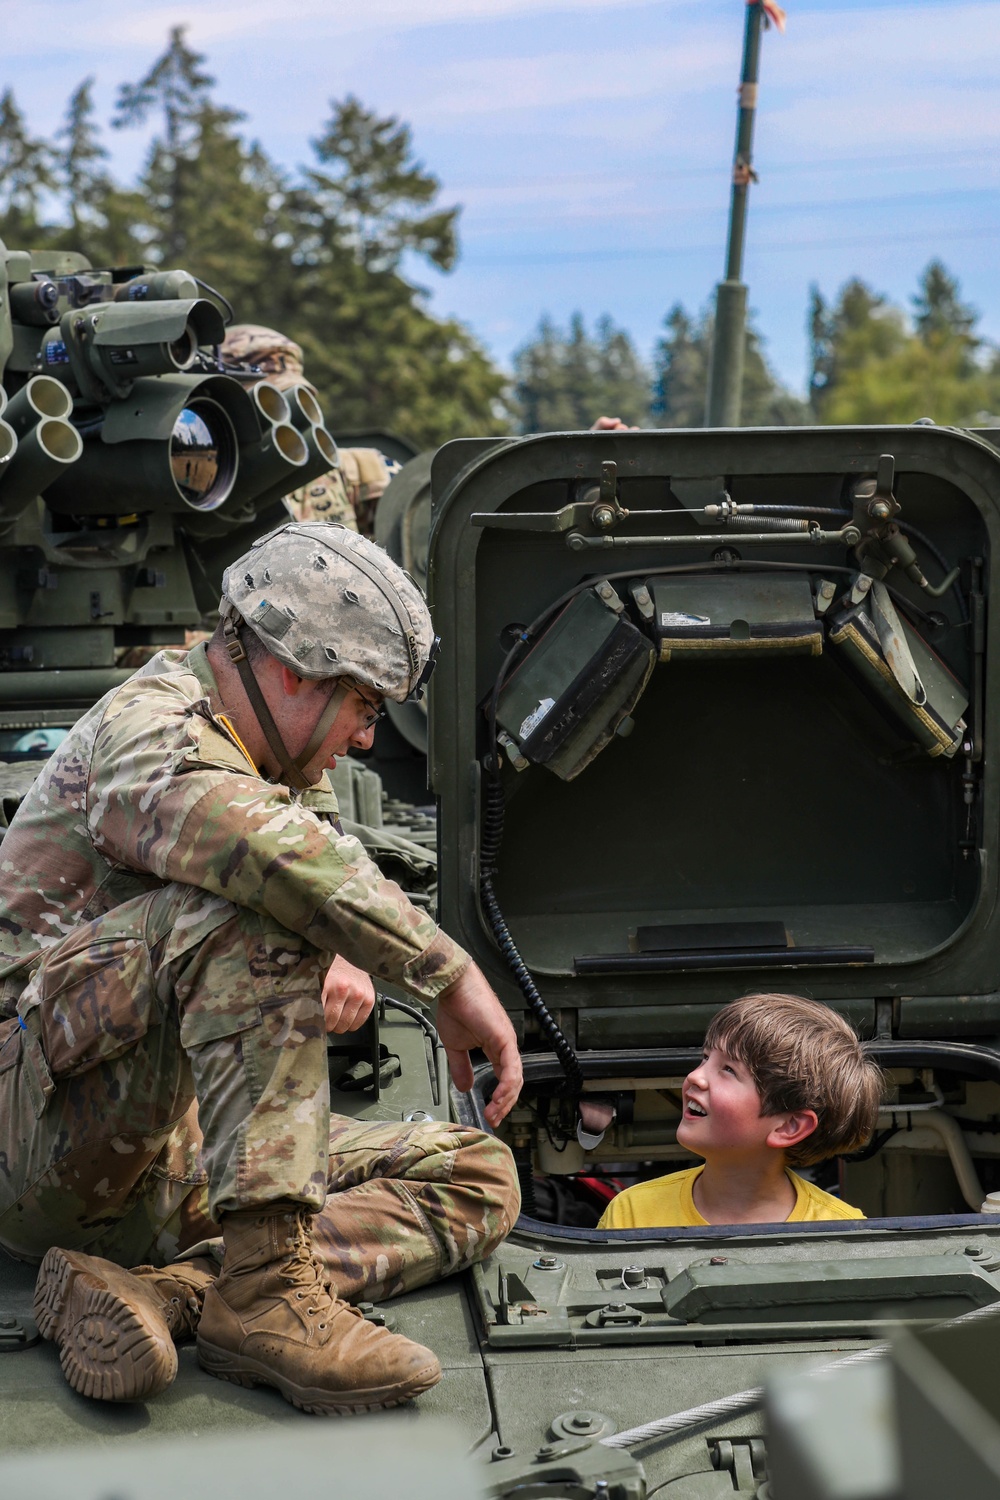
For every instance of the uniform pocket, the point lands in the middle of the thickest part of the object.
(10, 1043)
(90, 1001)
(20, 1049)
(199, 1027)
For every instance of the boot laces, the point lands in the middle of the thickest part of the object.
(301, 1269)
(182, 1313)
(181, 1303)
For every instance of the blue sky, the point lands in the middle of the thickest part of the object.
(590, 141)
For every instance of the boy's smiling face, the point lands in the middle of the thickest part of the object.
(722, 1109)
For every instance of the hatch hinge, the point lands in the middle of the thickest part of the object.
(744, 1459)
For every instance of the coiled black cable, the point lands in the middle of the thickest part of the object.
(493, 816)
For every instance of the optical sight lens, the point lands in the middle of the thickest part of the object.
(203, 455)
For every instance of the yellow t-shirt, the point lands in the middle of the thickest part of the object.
(668, 1203)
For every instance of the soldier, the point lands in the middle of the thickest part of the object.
(181, 921)
(348, 494)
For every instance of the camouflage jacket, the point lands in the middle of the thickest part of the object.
(152, 786)
(348, 494)
(325, 499)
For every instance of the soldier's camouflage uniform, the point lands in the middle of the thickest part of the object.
(166, 919)
(348, 494)
(324, 499)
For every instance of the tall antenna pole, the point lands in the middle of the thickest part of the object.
(725, 379)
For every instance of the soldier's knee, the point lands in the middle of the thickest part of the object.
(486, 1164)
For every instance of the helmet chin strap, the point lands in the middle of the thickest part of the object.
(292, 769)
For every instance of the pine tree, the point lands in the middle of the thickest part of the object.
(861, 327)
(177, 85)
(681, 364)
(939, 311)
(578, 387)
(218, 207)
(369, 187)
(82, 160)
(26, 176)
(379, 359)
(874, 369)
(563, 381)
(372, 349)
(622, 380)
(820, 351)
(766, 402)
(536, 375)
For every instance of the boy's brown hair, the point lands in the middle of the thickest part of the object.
(803, 1055)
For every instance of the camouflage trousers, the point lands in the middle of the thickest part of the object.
(167, 1064)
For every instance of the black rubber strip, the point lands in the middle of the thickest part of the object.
(759, 958)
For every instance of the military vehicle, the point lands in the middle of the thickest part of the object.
(131, 469)
(919, 1420)
(713, 713)
(402, 527)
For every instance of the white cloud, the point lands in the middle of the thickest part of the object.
(884, 79)
(946, 117)
(104, 26)
(824, 49)
(558, 79)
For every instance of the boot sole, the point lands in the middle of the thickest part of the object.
(241, 1370)
(108, 1350)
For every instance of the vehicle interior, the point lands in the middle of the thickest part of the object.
(730, 736)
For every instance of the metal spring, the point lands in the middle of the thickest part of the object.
(767, 523)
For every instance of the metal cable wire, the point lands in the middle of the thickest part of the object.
(683, 1422)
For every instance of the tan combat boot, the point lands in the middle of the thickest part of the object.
(271, 1319)
(116, 1329)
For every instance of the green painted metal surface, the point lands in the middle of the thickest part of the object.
(756, 791)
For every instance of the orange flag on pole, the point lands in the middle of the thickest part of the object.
(772, 11)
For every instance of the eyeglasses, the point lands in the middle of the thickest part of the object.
(374, 714)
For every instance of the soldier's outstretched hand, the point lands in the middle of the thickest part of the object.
(470, 1015)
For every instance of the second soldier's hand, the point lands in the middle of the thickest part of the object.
(348, 996)
(470, 1015)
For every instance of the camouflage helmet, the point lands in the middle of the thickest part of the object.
(278, 357)
(327, 602)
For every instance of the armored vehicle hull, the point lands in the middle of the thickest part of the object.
(714, 714)
(702, 724)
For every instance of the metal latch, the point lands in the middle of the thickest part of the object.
(516, 1301)
(615, 1315)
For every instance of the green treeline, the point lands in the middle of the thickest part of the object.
(869, 363)
(319, 254)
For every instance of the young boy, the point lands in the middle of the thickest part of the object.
(783, 1082)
